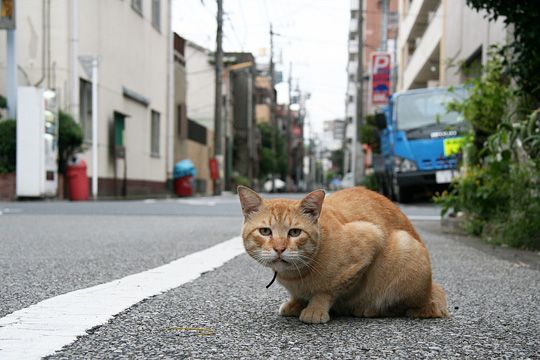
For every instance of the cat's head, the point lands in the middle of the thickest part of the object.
(281, 234)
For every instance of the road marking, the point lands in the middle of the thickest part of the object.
(424, 217)
(41, 329)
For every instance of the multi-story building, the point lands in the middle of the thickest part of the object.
(436, 36)
(333, 134)
(192, 138)
(241, 133)
(372, 19)
(263, 99)
(131, 39)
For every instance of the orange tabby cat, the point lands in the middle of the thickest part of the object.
(354, 253)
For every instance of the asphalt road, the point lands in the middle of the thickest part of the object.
(52, 248)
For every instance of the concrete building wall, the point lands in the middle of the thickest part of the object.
(200, 155)
(133, 55)
(467, 34)
(200, 85)
(436, 36)
(372, 13)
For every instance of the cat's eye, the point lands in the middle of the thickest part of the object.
(265, 231)
(295, 232)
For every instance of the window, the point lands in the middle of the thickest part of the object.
(119, 148)
(137, 6)
(85, 109)
(154, 134)
(156, 14)
(197, 132)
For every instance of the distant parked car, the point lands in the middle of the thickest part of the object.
(279, 185)
(347, 181)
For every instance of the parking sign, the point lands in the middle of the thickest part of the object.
(381, 66)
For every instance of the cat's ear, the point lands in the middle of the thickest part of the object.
(249, 199)
(311, 205)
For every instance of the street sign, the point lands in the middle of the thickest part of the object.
(381, 67)
(7, 14)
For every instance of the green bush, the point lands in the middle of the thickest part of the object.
(499, 192)
(500, 197)
(369, 134)
(370, 182)
(70, 139)
(8, 147)
(489, 97)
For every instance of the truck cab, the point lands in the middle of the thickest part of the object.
(420, 141)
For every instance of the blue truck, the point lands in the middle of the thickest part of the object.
(420, 142)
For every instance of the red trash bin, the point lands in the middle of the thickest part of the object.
(183, 186)
(77, 181)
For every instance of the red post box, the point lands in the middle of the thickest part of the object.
(77, 181)
(183, 186)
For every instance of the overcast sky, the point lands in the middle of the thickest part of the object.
(312, 34)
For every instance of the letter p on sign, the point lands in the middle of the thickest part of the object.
(381, 62)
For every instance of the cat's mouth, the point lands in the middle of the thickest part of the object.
(280, 260)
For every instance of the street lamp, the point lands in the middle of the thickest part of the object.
(90, 65)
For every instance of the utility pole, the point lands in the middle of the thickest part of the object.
(8, 19)
(289, 137)
(358, 154)
(74, 52)
(90, 65)
(218, 152)
(95, 128)
(384, 26)
(273, 121)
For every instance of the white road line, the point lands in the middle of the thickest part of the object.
(424, 217)
(41, 329)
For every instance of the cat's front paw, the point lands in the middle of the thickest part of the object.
(314, 315)
(291, 308)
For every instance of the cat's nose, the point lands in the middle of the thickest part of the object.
(279, 249)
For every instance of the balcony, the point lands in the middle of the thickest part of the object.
(353, 46)
(415, 21)
(353, 26)
(352, 67)
(426, 55)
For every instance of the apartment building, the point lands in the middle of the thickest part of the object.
(194, 113)
(372, 19)
(131, 40)
(436, 36)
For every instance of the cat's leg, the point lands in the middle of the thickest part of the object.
(317, 311)
(399, 279)
(411, 288)
(293, 307)
(436, 306)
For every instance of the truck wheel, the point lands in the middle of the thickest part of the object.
(401, 194)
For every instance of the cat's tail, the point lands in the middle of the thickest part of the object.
(436, 306)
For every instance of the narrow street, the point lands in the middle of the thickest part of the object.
(51, 249)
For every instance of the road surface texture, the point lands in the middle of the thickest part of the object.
(49, 249)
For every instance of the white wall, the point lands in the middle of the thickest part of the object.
(465, 31)
(133, 54)
(200, 86)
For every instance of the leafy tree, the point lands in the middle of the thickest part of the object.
(70, 139)
(488, 100)
(369, 134)
(337, 161)
(8, 147)
(272, 162)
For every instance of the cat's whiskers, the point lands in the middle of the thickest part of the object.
(310, 263)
